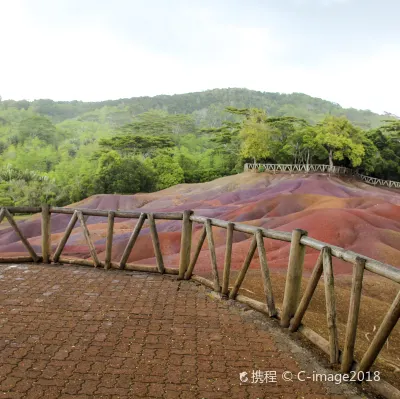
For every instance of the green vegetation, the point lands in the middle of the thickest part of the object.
(62, 152)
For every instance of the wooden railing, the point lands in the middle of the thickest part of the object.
(294, 305)
(303, 168)
(374, 181)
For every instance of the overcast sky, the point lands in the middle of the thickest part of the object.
(346, 51)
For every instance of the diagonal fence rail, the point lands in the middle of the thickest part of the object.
(294, 305)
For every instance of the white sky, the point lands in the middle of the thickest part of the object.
(346, 51)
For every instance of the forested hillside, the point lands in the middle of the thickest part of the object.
(62, 152)
(207, 108)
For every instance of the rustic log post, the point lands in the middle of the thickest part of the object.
(2, 214)
(25, 242)
(388, 323)
(156, 243)
(65, 237)
(293, 277)
(228, 259)
(186, 244)
(196, 254)
(308, 293)
(269, 297)
(110, 232)
(211, 246)
(330, 305)
(132, 240)
(46, 233)
(245, 267)
(352, 320)
(89, 242)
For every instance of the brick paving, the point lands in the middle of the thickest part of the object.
(77, 332)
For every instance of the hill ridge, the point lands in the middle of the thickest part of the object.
(205, 105)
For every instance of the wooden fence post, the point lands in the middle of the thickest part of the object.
(352, 320)
(269, 297)
(2, 214)
(46, 233)
(293, 277)
(330, 305)
(228, 258)
(110, 231)
(186, 244)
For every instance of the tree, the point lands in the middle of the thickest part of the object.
(75, 176)
(227, 143)
(33, 154)
(122, 175)
(385, 155)
(392, 126)
(157, 122)
(341, 139)
(255, 134)
(137, 144)
(282, 130)
(372, 158)
(37, 127)
(303, 147)
(167, 171)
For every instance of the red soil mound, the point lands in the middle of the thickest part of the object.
(342, 212)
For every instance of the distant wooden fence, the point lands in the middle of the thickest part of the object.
(294, 306)
(303, 168)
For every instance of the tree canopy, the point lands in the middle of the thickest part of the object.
(137, 144)
(341, 140)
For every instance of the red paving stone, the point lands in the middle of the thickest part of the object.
(76, 332)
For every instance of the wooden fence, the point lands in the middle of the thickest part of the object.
(294, 305)
(302, 168)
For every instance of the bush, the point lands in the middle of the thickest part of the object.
(124, 176)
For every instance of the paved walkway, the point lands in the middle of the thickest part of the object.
(76, 332)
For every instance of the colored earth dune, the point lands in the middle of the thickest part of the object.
(340, 211)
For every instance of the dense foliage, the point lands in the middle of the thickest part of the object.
(62, 152)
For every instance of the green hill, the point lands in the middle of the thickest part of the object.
(207, 107)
